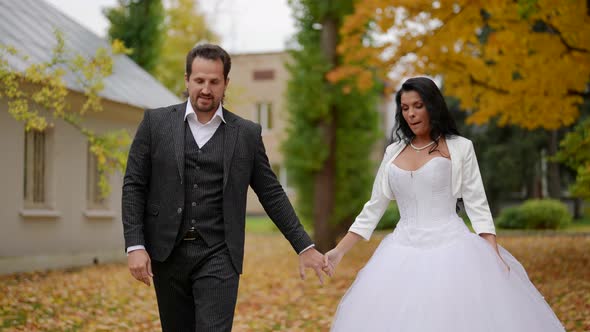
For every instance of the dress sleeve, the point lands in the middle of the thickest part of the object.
(373, 210)
(474, 196)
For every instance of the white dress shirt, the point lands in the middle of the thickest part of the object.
(202, 132)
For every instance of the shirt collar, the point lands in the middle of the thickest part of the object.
(189, 110)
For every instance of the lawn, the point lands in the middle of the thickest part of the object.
(271, 298)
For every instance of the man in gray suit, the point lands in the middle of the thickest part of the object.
(184, 200)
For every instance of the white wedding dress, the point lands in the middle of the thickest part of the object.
(433, 274)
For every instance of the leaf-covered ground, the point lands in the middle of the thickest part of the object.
(271, 298)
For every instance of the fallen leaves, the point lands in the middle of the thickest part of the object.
(272, 297)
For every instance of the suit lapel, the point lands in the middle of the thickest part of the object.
(177, 128)
(229, 143)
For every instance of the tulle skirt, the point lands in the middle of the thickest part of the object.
(455, 285)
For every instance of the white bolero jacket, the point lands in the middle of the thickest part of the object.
(466, 184)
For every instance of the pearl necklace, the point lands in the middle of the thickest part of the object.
(424, 147)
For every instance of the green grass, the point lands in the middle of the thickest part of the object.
(260, 224)
(263, 224)
(580, 225)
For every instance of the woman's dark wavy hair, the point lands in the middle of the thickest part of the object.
(441, 121)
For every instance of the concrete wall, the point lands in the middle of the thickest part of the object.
(65, 233)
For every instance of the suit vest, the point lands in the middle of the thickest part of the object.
(203, 187)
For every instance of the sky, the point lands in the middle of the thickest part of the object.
(245, 26)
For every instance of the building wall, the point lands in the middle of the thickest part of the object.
(66, 233)
(245, 92)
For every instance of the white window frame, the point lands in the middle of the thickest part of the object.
(264, 115)
(93, 199)
(35, 184)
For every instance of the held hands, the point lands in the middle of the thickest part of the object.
(140, 265)
(311, 258)
(331, 260)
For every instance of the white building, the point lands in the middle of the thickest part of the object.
(50, 210)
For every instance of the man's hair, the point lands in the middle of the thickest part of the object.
(210, 52)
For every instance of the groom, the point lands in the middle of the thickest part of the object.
(184, 200)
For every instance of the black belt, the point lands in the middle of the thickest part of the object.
(190, 235)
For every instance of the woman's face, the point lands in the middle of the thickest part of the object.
(415, 113)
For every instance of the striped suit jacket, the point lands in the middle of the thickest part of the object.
(153, 190)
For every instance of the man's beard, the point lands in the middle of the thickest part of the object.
(214, 106)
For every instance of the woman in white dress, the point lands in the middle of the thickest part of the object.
(432, 273)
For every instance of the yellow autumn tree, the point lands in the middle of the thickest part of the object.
(524, 63)
(185, 26)
(42, 86)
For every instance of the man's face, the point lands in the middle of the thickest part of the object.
(206, 85)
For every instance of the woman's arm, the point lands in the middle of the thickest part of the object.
(474, 195)
(366, 221)
(475, 201)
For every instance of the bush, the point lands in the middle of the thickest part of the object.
(535, 214)
(511, 218)
(389, 219)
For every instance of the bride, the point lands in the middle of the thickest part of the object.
(432, 273)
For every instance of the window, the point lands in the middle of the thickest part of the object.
(263, 75)
(281, 173)
(94, 199)
(35, 169)
(264, 115)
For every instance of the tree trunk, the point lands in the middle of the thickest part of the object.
(553, 176)
(323, 207)
(324, 187)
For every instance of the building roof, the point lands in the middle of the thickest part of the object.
(29, 25)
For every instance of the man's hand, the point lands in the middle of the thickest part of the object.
(312, 258)
(140, 265)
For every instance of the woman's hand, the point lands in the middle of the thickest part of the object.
(331, 260)
(491, 239)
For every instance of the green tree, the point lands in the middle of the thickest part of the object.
(575, 153)
(331, 133)
(185, 26)
(140, 25)
(42, 84)
(509, 157)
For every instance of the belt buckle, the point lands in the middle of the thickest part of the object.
(190, 235)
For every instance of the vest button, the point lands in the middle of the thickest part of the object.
(193, 222)
(179, 210)
(194, 203)
(195, 186)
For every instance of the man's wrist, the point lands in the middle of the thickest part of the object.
(134, 248)
(306, 249)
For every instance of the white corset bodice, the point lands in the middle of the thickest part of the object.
(426, 204)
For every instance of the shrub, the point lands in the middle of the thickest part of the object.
(535, 214)
(511, 218)
(390, 218)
